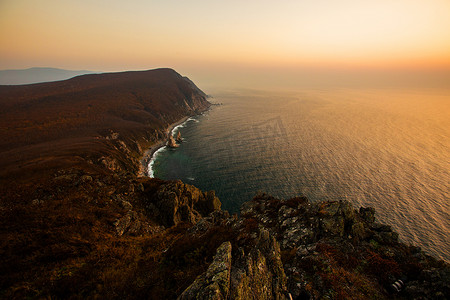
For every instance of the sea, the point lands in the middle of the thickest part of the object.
(382, 148)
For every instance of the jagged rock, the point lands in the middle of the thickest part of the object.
(110, 163)
(217, 217)
(208, 203)
(314, 237)
(179, 202)
(171, 142)
(286, 212)
(129, 222)
(367, 214)
(386, 237)
(358, 231)
(201, 226)
(432, 284)
(215, 282)
(122, 202)
(260, 273)
(335, 216)
(334, 226)
(253, 281)
(295, 235)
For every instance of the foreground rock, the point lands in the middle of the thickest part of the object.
(294, 249)
(215, 282)
(256, 274)
(331, 250)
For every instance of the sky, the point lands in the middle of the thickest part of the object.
(253, 42)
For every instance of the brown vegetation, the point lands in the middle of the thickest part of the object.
(69, 155)
(55, 124)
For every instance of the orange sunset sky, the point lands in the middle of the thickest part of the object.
(232, 40)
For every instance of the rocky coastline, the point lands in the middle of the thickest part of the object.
(159, 143)
(84, 222)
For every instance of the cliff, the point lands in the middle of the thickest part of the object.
(97, 119)
(77, 222)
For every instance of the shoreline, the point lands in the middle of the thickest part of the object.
(149, 153)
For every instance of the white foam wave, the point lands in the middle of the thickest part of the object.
(151, 163)
(192, 119)
(151, 172)
(176, 128)
(182, 125)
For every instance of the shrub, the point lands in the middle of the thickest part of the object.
(381, 268)
(296, 201)
(250, 225)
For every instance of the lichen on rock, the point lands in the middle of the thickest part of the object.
(215, 282)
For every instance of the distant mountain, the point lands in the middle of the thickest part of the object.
(37, 75)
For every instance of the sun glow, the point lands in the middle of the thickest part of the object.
(114, 35)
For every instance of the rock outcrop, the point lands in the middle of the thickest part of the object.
(331, 250)
(259, 273)
(171, 142)
(215, 282)
(177, 202)
(179, 138)
(256, 273)
(294, 249)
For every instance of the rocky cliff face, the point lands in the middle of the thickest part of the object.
(256, 274)
(294, 249)
(176, 202)
(98, 119)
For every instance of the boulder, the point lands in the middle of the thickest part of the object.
(336, 215)
(367, 214)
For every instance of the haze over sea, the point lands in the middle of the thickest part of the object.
(384, 148)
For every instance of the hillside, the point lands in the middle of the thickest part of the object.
(78, 120)
(76, 220)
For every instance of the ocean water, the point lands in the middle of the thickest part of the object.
(388, 149)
